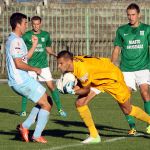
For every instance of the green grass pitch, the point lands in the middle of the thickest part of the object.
(67, 133)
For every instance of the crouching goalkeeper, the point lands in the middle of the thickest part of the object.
(103, 75)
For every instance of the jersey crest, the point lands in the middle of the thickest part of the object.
(142, 33)
(42, 39)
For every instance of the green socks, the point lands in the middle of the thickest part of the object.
(56, 98)
(147, 107)
(131, 121)
(24, 104)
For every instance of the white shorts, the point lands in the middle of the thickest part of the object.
(137, 78)
(44, 76)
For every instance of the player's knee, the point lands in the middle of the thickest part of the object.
(51, 86)
(44, 103)
(79, 103)
(145, 95)
(127, 111)
(50, 101)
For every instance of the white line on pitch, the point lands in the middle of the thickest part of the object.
(79, 144)
(115, 139)
(8, 96)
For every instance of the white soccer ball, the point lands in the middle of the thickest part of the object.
(64, 80)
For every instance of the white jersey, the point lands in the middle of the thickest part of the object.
(15, 48)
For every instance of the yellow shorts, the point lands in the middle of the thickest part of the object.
(118, 89)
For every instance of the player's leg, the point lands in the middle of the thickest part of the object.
(86, 116)
(46, 76)
(122, 94)
(56, 98)
(135, 111)
(24, 127)
(55, 94)
(129, 78)
(23, 106)
(36, 94)
(143, 83)
(33, 117)
(41, 112)
(144, 89)
(24, 99)
(42, 119)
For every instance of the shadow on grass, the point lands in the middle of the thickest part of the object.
(53, 133)
(13, 133)
(70, 134)
(115, 132)
(9, 111)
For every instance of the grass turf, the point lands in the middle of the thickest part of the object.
(67, 133)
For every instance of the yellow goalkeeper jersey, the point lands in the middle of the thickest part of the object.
(95, 71)
(102, 74)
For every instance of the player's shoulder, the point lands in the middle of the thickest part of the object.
(145, 25)
(79, 58)
(13, 37)
(15, 41)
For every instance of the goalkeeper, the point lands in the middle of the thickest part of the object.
(39, 60)
(106, 77)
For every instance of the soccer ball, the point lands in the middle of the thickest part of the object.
(66, 79)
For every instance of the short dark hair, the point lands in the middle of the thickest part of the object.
(16, 18)
(36, 18)
(134, 6)
(65, 54)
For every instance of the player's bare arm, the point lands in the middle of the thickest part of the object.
(85, 99)
(115, 54)
(21, 65)
(34, 45)
(82, 91)
(50, 51)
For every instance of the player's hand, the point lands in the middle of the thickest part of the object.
(34, 41)
(69, 88)
(62, 113)
(38, 71)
